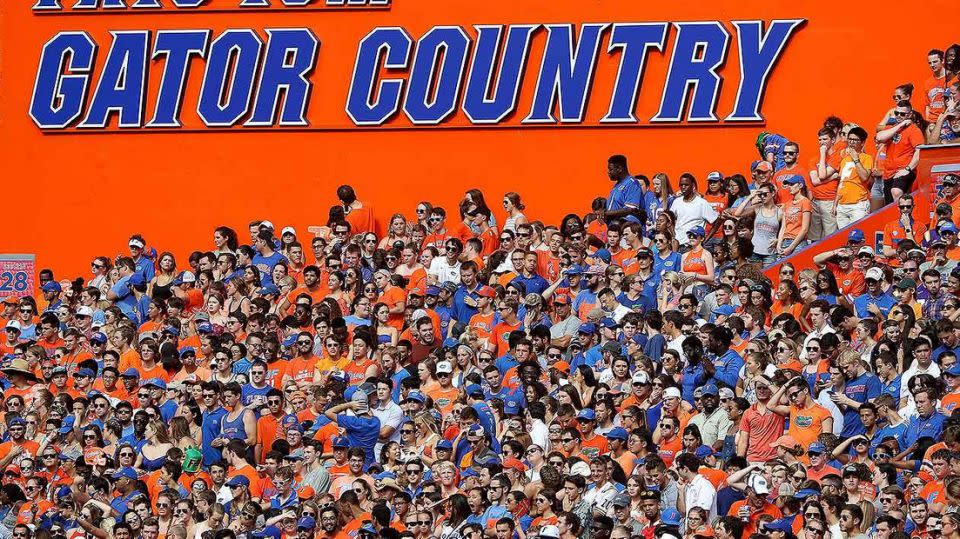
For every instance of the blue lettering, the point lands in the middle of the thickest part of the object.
(58, 98)
(476, 105)
(363, 107)
(290, 77)
(634, 42)
(701, 48)
(758, 54)
(422, 105)
(122, 83)
(223, 102)
(565, 74)
(47, 4)
(94, 4)
(147, 4)
(255, 3)
(177, 46)
(189, 3)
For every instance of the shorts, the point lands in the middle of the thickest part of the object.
(904, 184)
(876, 189)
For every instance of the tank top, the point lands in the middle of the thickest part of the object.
(694, 263)
(162, 292)
(511, 223)
(233, 430)
(765, 230)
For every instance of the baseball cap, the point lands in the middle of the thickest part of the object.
(549, 532)
(672, 392)
(906, 283)
(444, 445)
(13, 324)
(617, 433)
(866, 250)
(856, 236)
(416, 395)
(306, 523)
(444, 367)
(127, 472)
(948, 227)
(697, 231)
(487, 292)
(622, 499)
(84, 311)
(874, 273)
(603, 254)
(640, 377)
(724, 310)
(726, 393)
(609, 323)
(267, 531)
(951, 179)
(758, 484)
(780, 525)
(51, 286)
(785, 441)
(268, 290)
(433, 290)
(238, 481)
(130, 373)
(84, 372)
(793, 179)
(817, 447)
(714, 176)
(473, 390)
(533, 300)
(288, 230)
(188, 277)
(764, 166)
(710, 389)
(588, 328)
(954, 370)
(155, 382)
(513, 463)
(587, 414)
(670, 517)
(341, 442)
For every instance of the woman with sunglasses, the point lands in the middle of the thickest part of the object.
(514, 210)
(766, 223)
(669, 291)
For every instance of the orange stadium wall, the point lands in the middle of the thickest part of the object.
(78, 183)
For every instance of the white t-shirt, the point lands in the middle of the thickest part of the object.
(697, 212)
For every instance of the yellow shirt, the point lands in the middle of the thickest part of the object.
(853, 188)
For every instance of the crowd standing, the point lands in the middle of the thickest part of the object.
(627, 374)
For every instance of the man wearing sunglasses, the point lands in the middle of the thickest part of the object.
(808, 420)
(903, 141)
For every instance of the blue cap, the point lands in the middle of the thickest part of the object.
(780, 525)
(817, 447)
(670, 517)
(475, 430)
(724, 310)
(806, 493)
(856, 235)
(473, 389)
(609, 323)
(84, 372)
(268, 531)
(290, 341)
(306, 523)
(137, 279)
(368, 528)
(445, 444)
(416, 395)
(341, 441)
(187, 350)
(603, 254)
(98, 337)
(587, 414)
(238, 481)
(709, 389)
(948, 227)
(51, 286)
(703, 452)
(268, 290)
(469, 472)
(66, 426)
(433, 290)
(793, 179)
(64, 492)
(17, 421)
(588, 328)
(511, 409)
(204, 327)
(130, 373)
(954, 370)
(574, 269)
(450, 343)
(618, 433)
(171, 330)
(155, 382)
(127, 472)
(697, 231)
(384, 475)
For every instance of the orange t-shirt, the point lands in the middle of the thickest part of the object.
(949, 402)
(934, 90)
(361, 220)
(500, 334)
(392, 296)
(783, 194)
(828, 189)
(548, 266)
(853, 189)
(793, 211)
(668, 449)
(595, 446)
(444, 398)
(750, 527)
(807, 423)
(900, 149)
(482, 325)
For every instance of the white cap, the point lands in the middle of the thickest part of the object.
(580, 468)
(866, 249)
(640, 377)
(758, 484)
(136, 243)
(550, 532)
(444, 367)
(417, 315)
(84, 311)
(267, 224)
(288, 230)
(13, 324)
(189, 277)
(671, 392)
(726, 393)
(874, 273)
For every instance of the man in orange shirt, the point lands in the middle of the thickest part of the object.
(951, 400)
(903, 141)
(593, 445)
(808, 420)
(823, 181)
(444, 395)
(934, 88)
(358, 214)
(853, 191)
(18, 445)
(755, 505)
(667, 437)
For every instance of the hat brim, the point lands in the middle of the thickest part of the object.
(28, 374)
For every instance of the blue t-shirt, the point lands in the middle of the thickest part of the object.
(125, 299)
(626, 192)
(728, 368)
(265, 264)
(461, 311)
(655, 347)
(893, 389)
(210, 429)
(921, 428)
(250, 395)
(693, 377)
(863, 388)
(534, 284)
(361, 432)
(884, 301)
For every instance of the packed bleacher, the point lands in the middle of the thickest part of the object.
(471, 371)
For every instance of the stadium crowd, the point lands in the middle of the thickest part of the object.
(627, 374)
